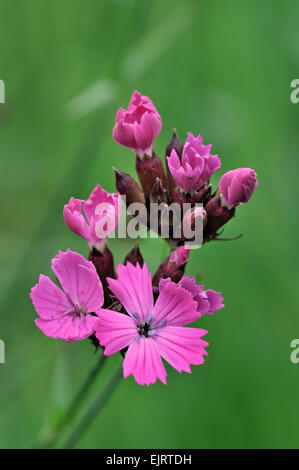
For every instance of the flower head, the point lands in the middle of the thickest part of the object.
(138, 126)
(237, 186)
(71, 313)
(151, 331)
(99, 218)
(196, 165)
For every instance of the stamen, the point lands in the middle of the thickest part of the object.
(138, 338)
(162, 323)
(150, 319)
(151, 332)
(135, 315)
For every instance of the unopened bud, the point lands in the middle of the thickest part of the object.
(104, 264)
(148, 169)
(134, 256)
(173, 266)
(176, 144)
(128, 187)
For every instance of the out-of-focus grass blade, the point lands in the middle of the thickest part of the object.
(96, 96)
(157, 41)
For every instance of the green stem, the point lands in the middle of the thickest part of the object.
(75, 405)
(92, 411)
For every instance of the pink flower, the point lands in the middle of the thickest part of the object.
(100, 219)
(138, 126)
(150, 331)
(208, 301)
(68, 314)
(237, 186)
(197, 164)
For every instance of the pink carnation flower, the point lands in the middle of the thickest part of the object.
(151, 330)
(138, 126)
(100, 219)
(68, 314)
(196, 166)
(237, 186)
(208, 301)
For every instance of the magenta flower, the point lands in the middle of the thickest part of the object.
(237, 186)
(68, 314)
(208, 301)
(196, 166)
(150, 331)
(138, 126)
(100, 219)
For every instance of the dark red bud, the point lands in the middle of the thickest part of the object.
(148, 169)
(104, 264)
(134, 256)
(176, 144)
(127, 186)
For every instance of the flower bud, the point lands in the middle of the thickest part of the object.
(138, 126)
(128, 187)
(134, 256)
(104, 264)
(148, 169)
(237, 186)
(176, 144)
(173, 266)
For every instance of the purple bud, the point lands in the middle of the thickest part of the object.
(237, 186)
(128, 187)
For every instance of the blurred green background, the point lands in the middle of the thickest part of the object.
(222, 69)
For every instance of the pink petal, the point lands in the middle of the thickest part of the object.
(74, 219)
(115, 331)
(49, 301)
(215, 300)
(133, 288)
(143, 361)
(68, 327)
(79, 280)
(99, 196)
(175, 305)
(181, 347)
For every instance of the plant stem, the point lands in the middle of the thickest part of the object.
(71, 412)
(95, 407)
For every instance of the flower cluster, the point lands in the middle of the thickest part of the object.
(189, 167)
(126, 309)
